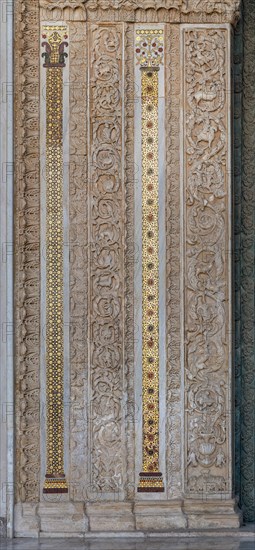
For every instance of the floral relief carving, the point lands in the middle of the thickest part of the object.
(106, 259)
(130, 409)
(207, 256)
(69, 10)
(27, 252)
(173, 426)
(229, 9)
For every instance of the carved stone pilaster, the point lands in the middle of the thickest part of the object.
(106, 261)
(27, 250)
(207, 261)
(173, 274)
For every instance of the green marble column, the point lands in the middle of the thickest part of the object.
(244, 243)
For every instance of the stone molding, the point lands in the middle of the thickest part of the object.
(178, 11)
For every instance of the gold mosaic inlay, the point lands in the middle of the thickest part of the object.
(54, 56)
(149, 53)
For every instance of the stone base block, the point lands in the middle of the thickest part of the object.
(59, 519)
(159, 516)
(110, 517)
(68, 519)
(213, 514)
(26, 520)
(62, 518)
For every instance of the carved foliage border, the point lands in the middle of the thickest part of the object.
(206, 265)
(27, 250)
(130, 408)
(173, 426)
(106, 259)
(151, 11)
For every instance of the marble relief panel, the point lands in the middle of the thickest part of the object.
(106, 261)
(207, 260)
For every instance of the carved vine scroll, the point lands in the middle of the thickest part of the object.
(106, 258)
(207, 257)
(27, 251)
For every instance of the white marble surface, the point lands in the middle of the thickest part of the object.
(6, 268)
(198, 543)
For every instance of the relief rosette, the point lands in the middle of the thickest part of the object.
(54, 44)
(149, 54)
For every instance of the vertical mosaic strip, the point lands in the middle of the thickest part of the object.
(149, 54)
(54, 62)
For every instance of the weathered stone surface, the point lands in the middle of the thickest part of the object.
(26, 520)
(65, 519)
(110, 517)
(159, 516)
(62, 519)
(178, 11)
(203, 514)
(3, 530)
